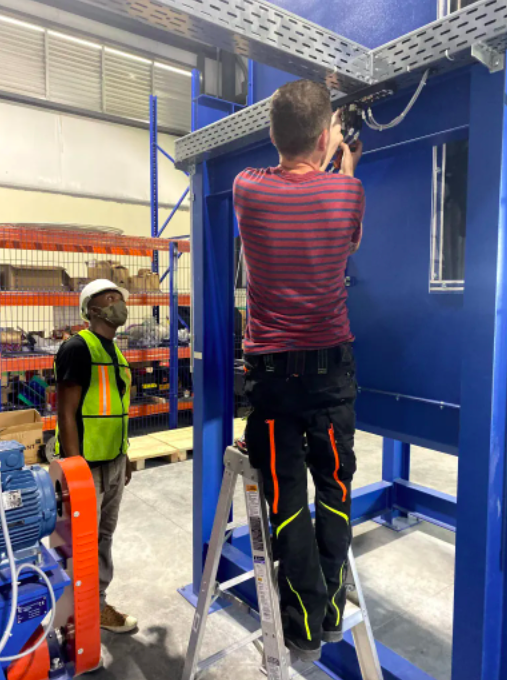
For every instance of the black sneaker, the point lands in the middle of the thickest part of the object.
(304, 650)
(332, 628)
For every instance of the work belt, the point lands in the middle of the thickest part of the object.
(297, 363)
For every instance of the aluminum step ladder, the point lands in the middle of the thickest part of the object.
(276, 656)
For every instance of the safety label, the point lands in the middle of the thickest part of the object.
(256, 533)
(12, 500)
(33, 610)
(273, 668)
(252, 500)
(263, 589)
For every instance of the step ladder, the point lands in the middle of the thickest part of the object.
(276, 656)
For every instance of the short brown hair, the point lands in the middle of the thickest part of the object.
(300, 112)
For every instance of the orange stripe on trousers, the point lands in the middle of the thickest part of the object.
(271, 425)
(337, 463)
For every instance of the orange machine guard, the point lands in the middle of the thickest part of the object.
(76, 538)
(32, 667)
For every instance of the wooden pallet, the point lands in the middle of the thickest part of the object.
(172, 446)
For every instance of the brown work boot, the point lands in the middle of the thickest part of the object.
(115, 622)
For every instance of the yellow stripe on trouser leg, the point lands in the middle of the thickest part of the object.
(287, 521)
(334, 596)
(305, 613)
(336, 512)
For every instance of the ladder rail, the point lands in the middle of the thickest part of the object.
(210, 573)
(276, 656)
(362, 633)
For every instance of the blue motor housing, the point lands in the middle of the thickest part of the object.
(29, 500)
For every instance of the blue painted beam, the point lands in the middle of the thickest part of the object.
(433, 506)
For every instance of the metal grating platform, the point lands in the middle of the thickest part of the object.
(258, 30)
(443, 45)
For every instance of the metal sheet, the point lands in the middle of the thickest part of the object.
(257, 30)
(443, 45)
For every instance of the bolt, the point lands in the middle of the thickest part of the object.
(78, 583)
(80, 651)
(76, 514)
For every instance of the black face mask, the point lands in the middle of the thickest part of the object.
(115, 314)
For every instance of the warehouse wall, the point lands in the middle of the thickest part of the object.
(58, 168)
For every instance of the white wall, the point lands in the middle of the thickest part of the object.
(48, 151)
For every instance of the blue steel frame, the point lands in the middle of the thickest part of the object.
(172, 270)
(476, 427)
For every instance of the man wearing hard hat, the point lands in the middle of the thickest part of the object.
(94, 381)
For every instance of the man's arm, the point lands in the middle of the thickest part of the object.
(69, 398)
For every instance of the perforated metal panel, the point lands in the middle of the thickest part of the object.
(443, 45)
(258, 30)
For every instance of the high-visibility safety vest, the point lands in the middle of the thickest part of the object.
(104, 410)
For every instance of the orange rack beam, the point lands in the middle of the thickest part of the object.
(19, 298)
(67, 241)
(32, 362)
(136, 411)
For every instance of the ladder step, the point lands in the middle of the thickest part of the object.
(214, 658)
(353, 617)
(231, 583)
(227, 585)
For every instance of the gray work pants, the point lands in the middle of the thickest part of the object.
(109, 480)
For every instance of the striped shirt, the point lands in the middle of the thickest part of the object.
(297, 231)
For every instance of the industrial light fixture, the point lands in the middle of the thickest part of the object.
(127, 55)
(79, 41)
(166, 67)
(23, 24)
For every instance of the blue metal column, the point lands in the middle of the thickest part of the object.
(154, 188)
(480, 648)
(212, 246)
(173, 335)
(396, 465)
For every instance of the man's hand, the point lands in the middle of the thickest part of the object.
(350, 159)
(335, 139)
(128, 471)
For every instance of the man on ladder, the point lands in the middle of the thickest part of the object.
(298, 226)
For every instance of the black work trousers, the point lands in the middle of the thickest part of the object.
(300, 422)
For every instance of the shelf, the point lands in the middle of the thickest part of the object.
(20, 298)
(32, 362)
(67, 241)
(136, 411)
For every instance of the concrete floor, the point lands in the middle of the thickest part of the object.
(407, 578)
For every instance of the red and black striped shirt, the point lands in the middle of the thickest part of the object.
(297, 231)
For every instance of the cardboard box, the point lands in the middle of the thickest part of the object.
(24, 427)
(146, 280)
(120, 275)
(100, 269)
(10, 340)
(77, 284)
(25, 277)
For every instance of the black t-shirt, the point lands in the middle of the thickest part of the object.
(74, 365)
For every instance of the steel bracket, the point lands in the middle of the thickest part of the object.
(492, 59)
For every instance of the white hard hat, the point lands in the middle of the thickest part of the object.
(95, 288)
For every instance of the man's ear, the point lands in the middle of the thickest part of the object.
(323, 141)
(271, 137)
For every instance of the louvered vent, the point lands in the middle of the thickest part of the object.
(85, 75)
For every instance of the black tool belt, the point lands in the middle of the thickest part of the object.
(297, 363)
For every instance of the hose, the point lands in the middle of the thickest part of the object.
(379, 127)
(15, 572)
